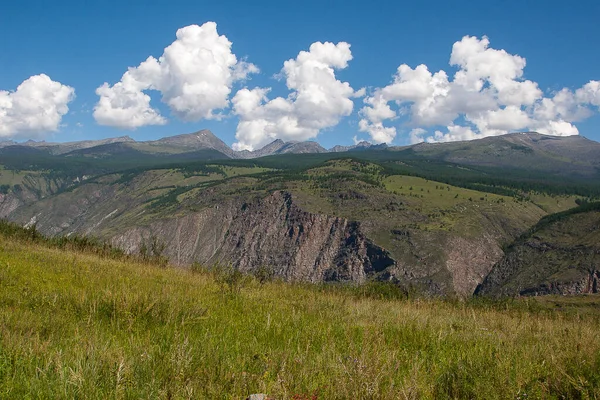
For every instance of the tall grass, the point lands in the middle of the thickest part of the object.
(76, 325)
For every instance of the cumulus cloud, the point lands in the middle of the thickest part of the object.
(416, 135)
(194, 76)
(487, 96)
(35, 108)
(317, 99)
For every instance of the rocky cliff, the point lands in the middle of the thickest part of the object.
(271, 233)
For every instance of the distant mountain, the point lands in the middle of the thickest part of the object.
(267, 150)
(301, 148)
(280, 147)
(190, 142)
(528, 150)
(566, 156)
(63, 148)
(6, 143)
(358, 147)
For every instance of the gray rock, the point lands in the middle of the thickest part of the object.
(258, 396)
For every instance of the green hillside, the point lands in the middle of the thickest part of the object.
(559, 255)
(76, 325)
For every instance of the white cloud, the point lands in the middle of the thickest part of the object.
(505, 119)
(124, 105)
(194, 76)
(454, 133)
(556, 128)
(487, 93)
(35, 108)
(416, 135)
(317, 100)
(589, 93)
(378, 132)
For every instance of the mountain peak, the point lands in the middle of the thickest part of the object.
(187, 138)
(203, 139)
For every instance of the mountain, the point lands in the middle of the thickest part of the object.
(358, 147)
(63, 148)
(190, 142)
(434, 219)
(558, 155)
(267, 150)
(5, 143)
(559, 255)
(190, 145)
(529, 150)
(280, 147)
(301, 148)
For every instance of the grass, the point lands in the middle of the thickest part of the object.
(8, 177)
(437, 195)
(553, 204)
(76, 325)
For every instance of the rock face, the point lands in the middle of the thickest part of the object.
(268, 233)
(469, 261)
(586, 285)
(559, 257)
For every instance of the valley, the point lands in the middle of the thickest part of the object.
(434, 219)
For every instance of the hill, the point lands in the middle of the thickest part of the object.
(529, 151)
(559, 255)
(77, 325)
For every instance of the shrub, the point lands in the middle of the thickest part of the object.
(152, 251)
(198, 268)
(264, 274)
(231, 279)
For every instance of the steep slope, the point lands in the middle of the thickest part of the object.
(560, 255)
(271, 232)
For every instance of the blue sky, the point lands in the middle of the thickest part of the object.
(84, 44)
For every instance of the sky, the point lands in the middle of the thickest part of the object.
(337, 72)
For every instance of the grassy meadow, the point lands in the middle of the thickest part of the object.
(75, 325)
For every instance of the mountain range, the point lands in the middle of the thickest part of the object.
(437, 218)
(181, 144)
